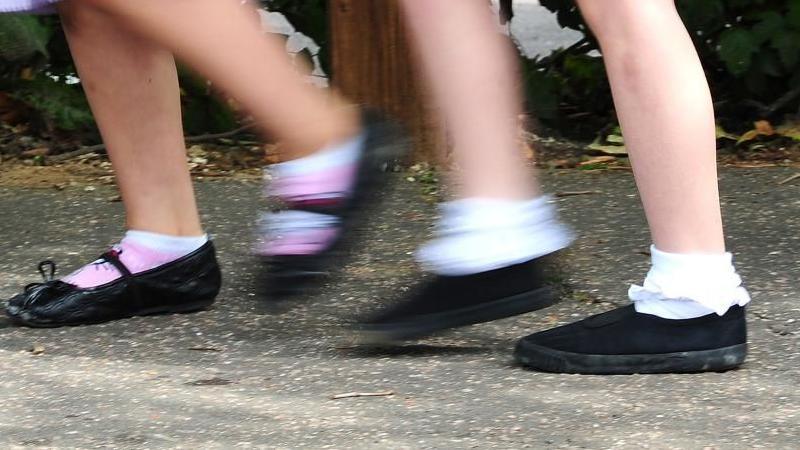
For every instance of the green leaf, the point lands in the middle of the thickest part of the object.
(736, 49)
(543, 94)
(788, 46)
(21, 37)
(770, 25)
(793, 14)
(767, 61)
(703, 14)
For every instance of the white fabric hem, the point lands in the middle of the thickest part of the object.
(478, 235)
(708, 280)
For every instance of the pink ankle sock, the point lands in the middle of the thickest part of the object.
(136, 257)
(317, 187)
(301, 232)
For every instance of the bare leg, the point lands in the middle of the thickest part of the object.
(481, 107)
(664, 106)
(489, 244)
(132, 87)
(665, 109)
(133, 90)
(223, 41)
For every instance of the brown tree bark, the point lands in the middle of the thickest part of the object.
(372, 65)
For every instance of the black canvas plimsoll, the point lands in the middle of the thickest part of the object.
(188, 284)
(444, 302)
(623, 341)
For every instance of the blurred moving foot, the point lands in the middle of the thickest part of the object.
(327, 195)
(624, 341)
(111, 288)
(445, 302)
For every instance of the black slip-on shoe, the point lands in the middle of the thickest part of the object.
(444, 302)
(188, 284)
(287, 276)
(622, 341)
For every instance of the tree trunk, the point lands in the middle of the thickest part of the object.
(371, 65)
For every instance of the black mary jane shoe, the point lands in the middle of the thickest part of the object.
(623, 341)
(188, 284)
(285, 277)
(445, 302)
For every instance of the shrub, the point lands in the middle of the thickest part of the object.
(750, 50)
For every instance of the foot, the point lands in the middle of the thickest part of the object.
(189, 283)
(623, 341)
(299, 245)
(445, 302)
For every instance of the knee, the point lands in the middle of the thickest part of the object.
(77, 15)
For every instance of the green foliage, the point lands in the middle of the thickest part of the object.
(22, 37)
(34, 70)
(35, 63)
(59, 105)
(750, 50)
(202, 110)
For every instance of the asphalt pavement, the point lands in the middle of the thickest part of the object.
(235, 377)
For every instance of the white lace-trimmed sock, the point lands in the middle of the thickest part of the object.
(685, 286)
(478, 234)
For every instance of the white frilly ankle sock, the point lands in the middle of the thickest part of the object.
(685, 286)
(477, 235)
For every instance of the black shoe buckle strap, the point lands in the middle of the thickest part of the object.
(112, 257)
(47, 275)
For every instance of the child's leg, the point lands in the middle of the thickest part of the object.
(132, 87)
(224, 41)
(665, 110)
(489, 241)
(483, 124)
(332, 151)
(664, 105)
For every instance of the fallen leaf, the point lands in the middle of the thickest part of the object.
(36, 349)
(574, 193)
(607, 149)
(761, 128)
(362, 394)
(791, 178)
(764, 127)
(790, 130)
(615, 139)
(210, 382)
(722, 134)
(597, 160)
(205, 349)
(34, 152)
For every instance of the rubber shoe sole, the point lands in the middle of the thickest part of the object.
(421, 326)
(549, 360)
(187, 308)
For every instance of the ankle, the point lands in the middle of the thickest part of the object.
(175, 229)
(342, 126)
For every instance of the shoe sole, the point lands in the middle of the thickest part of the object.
(432, 323)
(549, 360)
(187, 308)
